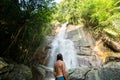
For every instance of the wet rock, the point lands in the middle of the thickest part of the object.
(82, 41)
(84, 60)
(49, 40)
(90, 61)
(112, 59)
(84, 51)
(41, 55)
(16, 72)
(110, 71)
(40, 71)
(78, 73)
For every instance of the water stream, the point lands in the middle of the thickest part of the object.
(64, 46)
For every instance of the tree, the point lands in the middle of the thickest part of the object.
(100, 16)
(23, 25)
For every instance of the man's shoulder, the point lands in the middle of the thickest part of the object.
(59, 62)
(62, 62)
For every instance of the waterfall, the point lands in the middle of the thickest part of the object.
(64, 46)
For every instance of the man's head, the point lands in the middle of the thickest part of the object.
(59, 57)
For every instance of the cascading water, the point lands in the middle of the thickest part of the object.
(64, 46)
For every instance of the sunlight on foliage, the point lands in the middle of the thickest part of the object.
(112, 32)
(96, 14)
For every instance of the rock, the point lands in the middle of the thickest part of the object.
(16, 72)
(48, 40)
(112, 58)
(110, 71)
(6, 69)
(112, 65)
(84, 60)
(49, 74)
(85, 51)
(112, 45)
(57, 24)
(92, 75)
(20, 72)
(41, 55)
(89, 61)
(2, 64)
(39, 71)
(78, 73)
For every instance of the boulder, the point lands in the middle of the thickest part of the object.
(109, 71)
(41, 55)
(77, 73)
(40, 71)
(15, 72)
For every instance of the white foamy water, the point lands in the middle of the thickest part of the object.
(64, 46)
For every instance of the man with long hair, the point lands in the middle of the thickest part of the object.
(59, 68)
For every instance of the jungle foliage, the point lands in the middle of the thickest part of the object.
(23, 25)
(101, 16)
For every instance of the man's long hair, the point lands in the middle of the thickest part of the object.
(60, 57)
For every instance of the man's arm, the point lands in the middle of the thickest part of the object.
(64, 72)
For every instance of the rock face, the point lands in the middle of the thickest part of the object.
(41, 56)
(78, 73)
(89, 64)
(14, 71)
(84, 45)
(110, 71)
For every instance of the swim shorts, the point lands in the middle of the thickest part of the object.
(60, 78)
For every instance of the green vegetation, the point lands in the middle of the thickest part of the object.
(23, 25)
(100, 16)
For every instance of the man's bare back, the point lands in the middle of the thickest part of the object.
(59, 65)
(59, 68)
